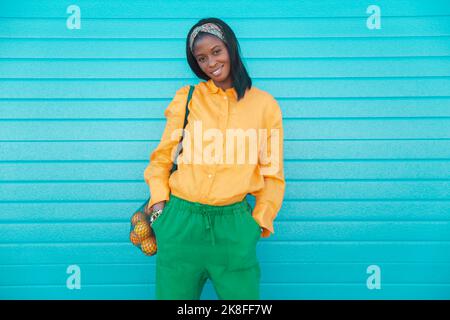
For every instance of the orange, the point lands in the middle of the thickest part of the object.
(138, 216)
(148, 246)
(134, 238)
(142, 229)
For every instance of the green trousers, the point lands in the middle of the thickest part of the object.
(197, 242)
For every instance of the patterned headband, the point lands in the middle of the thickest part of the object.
(211, 28)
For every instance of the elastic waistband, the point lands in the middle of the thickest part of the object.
(196, 207)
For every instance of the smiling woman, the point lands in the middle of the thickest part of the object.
(208, 229)
(212, 52)
(212, 57)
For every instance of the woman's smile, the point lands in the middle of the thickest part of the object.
(217, 72)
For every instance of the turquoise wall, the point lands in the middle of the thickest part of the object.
(367, 142)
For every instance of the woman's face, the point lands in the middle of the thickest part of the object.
(212, 55)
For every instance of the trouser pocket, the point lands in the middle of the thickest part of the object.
(160, 220)
(252, 220)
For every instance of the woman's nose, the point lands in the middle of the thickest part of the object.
(212, 63)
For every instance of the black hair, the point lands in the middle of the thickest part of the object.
(241, 79)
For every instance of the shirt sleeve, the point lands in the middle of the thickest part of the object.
(269, 199)
(157, 173)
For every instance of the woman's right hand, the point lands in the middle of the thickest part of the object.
(159, 205)
(156, 206)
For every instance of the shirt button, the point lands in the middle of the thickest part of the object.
(225, 98)
(209, 175)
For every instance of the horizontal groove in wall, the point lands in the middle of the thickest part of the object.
(375, 160)
(231, 18)
(349, 180)
(381, 37)
(334, 284)
(281, 98)
(269, 59)
(334, 221)
(164, 119)
(292, 200)
(112, 264)
(307, 242)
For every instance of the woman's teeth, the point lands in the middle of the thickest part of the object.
(217, 72)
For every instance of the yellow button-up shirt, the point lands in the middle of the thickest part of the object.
(211, 170)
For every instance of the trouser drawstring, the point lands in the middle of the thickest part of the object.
(208, 225)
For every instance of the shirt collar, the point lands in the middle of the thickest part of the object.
(215, 89)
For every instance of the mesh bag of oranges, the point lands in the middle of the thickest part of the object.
(141, 232)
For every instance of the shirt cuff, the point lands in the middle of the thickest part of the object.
(159, 191)
(263, 216)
